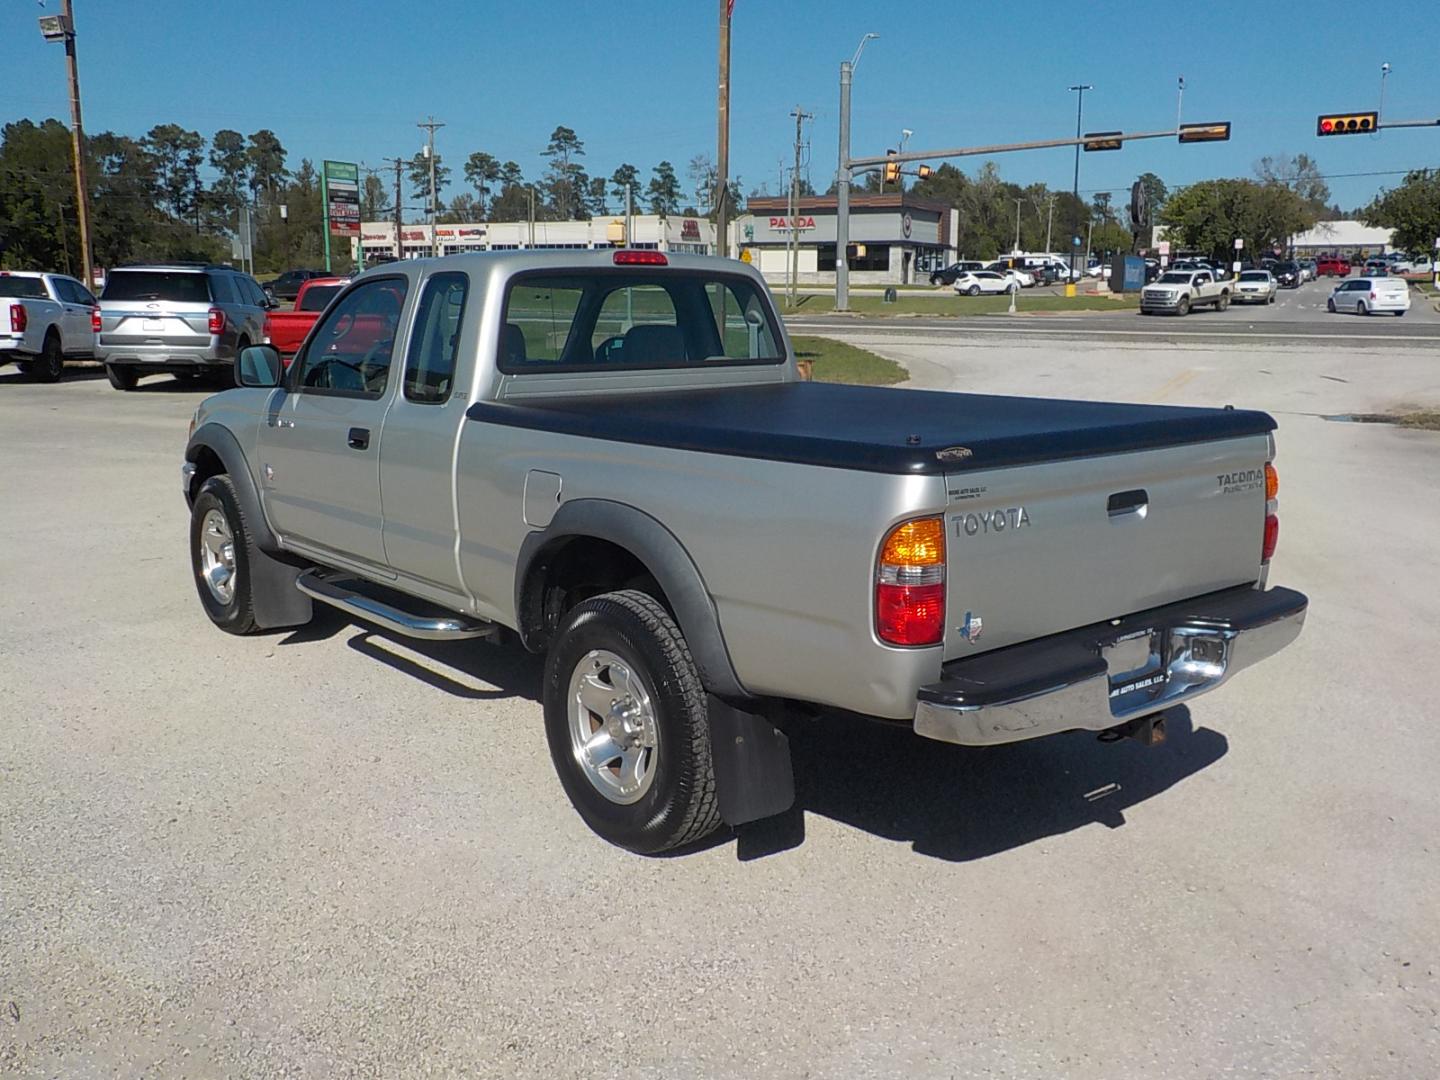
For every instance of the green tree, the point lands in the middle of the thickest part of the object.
(482, 172)
(513, 202)
(595, 195)
(375, 199)
(663, 194)
(463, 208)
(1209, 216)
(1300, 174)
(565, 180)
(267, 164)
(37, 197)
(417, 169)
(623, 179)
(178, 155)
(1412, 210)
(1155, 192)
(228, 158)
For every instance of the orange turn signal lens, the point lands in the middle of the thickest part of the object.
(1272, 481)
(916, 543)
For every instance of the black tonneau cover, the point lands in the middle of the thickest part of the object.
(874, 429)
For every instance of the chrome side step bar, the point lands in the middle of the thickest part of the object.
(431, 628)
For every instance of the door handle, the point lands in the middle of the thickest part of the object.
(359, 438)
(1128, 502)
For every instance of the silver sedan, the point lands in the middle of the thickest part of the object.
(1256, 287)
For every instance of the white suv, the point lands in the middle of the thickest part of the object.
(1371, 294)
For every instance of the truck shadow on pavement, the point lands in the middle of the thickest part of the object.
(948, 802)
(958, 803)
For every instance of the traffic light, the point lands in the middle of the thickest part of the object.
(1359, 123)
(1219, 132)
(923, 172)
(892, 171)
(1102, 140)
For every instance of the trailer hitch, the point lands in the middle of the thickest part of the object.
(1146, 730)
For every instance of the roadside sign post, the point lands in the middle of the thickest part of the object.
(340, 202)
(1239, 247)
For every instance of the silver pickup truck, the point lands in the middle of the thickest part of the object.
(609, 457)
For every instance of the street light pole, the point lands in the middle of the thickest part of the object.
(62, 28)
(842, 183)
(1018, 203)
(1075, 189)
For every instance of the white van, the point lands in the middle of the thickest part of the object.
(1368, 295)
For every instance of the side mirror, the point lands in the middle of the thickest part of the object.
(258, 366)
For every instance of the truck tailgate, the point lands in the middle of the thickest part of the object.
(1051, 546)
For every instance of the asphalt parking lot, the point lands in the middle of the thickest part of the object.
(333, 853)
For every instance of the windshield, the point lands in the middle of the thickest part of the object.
(1173, 278)
(22, 288)
(317, 296)
(578, 320)
(1254, 275)
(1287, 267)
(180, 286)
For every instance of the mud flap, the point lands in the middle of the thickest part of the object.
(276, 601)
(753, 777)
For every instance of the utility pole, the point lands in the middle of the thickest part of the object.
(842, 183)
(794, 261)
(722, 154)
(1049, 221)
(530, 190)
(430, 125)
(398, 164)
(1018, 204)
(62, 28)
(1079, 107)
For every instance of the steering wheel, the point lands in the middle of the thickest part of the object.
(610, 350)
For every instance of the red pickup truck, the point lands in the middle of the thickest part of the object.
(286, 330)
(1332, 266)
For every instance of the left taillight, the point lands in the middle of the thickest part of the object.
(217, 321)
(1272, 518)
(19, 318)
(910, 584)
(95, 319)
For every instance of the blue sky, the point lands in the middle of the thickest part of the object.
(636, 79)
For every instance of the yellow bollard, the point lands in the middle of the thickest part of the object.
(1070, 289)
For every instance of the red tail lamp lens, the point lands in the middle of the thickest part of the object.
(217, 321)
(910, 614)
(1272, 537)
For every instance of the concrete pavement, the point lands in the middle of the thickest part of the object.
(333, 853)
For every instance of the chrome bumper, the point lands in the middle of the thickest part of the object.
(1101, 676)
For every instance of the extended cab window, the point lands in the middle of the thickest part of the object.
(430, 365)
(350, 350)
(577, 320)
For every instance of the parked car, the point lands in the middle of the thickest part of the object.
(1332, 266)
(1023, 278)
(947, 275)
(185, 319)
(1307, 270)
(537, 466)
(287, 285)
(1371, 295)
(1288, 275)
(1255, 287)
(1180, 291)
(1095, 268)
(287, 329)
(1421, 264)
(975, 282)
(44, 318)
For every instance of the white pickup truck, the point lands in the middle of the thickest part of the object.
(1181, 291)
(45, 318)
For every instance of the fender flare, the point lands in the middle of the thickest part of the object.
(222, 443)
(277, 602)
(662, 554)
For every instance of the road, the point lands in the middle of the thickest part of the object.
(1298, 315)
(332, 853)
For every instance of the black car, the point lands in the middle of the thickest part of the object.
(287, 285)
(947, 275)
(1287, 274)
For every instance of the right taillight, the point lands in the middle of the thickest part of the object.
(19, 318)
(95, 319)
(217, 321)
(910, 584)
(1272, 519)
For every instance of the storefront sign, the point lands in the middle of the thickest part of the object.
(690, 230)
(790, 224)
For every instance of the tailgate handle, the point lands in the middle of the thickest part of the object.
(1128, 502)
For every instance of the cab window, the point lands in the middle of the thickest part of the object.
(350, 350)
(430, 364)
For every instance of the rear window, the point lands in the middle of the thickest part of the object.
(608, 319)
(178, 286)
(23, 288)
(317, 296)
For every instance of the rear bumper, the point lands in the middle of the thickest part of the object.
(165, 356)
(1098, 677)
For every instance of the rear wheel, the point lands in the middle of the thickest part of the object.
(51, 363)
(628, 724)
(973, 290)
(1330, 305)
(1361, 308)
(122, 376)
